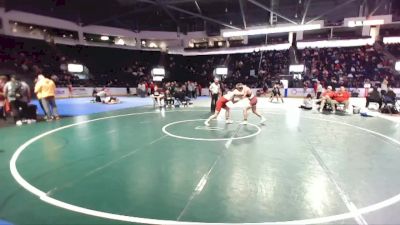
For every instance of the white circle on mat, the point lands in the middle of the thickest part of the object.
(118, 217)
(165, 130)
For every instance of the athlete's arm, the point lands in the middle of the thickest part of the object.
(238, 93)
(234, 101)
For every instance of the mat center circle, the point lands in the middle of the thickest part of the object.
(216, 133)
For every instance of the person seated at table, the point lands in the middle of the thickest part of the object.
(374, 96)
(389, 97)
(169, 99)
(327, 98)
(158, 95)
(180, 96)
(341, 97)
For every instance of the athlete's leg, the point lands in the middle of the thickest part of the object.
(245, 114)
(254, 109)
(227, 115)
(213, 116)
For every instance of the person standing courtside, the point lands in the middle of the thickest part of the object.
(13, 94)
(45, 88)
(215, 90)
(3, 81)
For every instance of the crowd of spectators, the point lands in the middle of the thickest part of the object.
(257, 69)
(119, 67)
(190, 89)
(273, 64)
(254, 69)
(168, 93)
(32, 57)
(110, 67)
(349, 67)
(198, 68)
(243, 69)
(394, 49)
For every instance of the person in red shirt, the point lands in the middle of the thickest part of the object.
(3, 81)
(221, 104)
(147, 86)
(151, 88)
(342, 96)
(315, 86)
(327, 97)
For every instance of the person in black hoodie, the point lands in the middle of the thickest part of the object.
(389, 97)
(374, 96)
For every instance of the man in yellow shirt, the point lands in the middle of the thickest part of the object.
(45, 90)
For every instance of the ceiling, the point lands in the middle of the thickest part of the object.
(191, 15)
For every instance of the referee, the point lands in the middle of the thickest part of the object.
(215, 90)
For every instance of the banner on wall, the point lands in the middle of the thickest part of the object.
(87, 92)
(81, 91)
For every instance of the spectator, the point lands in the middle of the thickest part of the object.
(151, 88)
(25, 99)
(169, 99)
(327, 98)
(319, 89)
(128, 89)
(39, 97)
(158, 96)
(307, 102)
(70, 90)
(180, 95)
(341, 97)
(25, 92)
(348, 66)
(141, 89)
(198, 87)
(3, 81)
(45, 88)
(384, 84)
(13, 94)
(190, 89)
(374, 96)
(389, 97)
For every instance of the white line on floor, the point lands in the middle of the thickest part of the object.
(203, 181)
(199, 187)
(112, 216)
(343, 195)
(229, 142)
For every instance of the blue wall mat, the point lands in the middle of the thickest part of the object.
(3, 222)
(84, 106)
